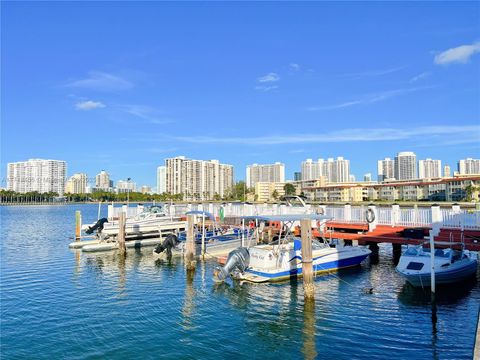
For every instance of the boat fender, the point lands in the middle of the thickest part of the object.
(170, 242)
(98, 226)
(238, 260)
(370, 216)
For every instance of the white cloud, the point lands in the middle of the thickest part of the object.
(147, 113)
(433, 134)
(266, 87)
(89, 105)
(101, 81)
(373, 73)
(419, 77)
(460, 54)
(294, 66)
(270, 77)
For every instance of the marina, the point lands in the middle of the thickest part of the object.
(127, 304)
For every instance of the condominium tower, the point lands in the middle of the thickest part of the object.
(37, 175)
(429, 169)
(335, 170)
(161, 179)
(469, 166)
(273, 173)
(198, 179)
(77, 184)
(406, 166)
(385, 169)
(102, 181)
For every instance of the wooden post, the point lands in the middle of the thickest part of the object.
(121, 233)
(78, 225)
(190, 246)
(307, 268)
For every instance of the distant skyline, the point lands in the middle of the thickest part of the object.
(239, 82)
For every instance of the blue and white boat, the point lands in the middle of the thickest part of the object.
(282, 259)
(450, 265)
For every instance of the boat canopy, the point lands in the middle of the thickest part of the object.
(290, 217)
(203, 213)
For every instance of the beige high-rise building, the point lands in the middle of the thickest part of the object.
(385, 169)
(429, 169)
(265, 173)
(447, 171)
(37, 175)
(336, 170)
(469, 166)
(312, 170)
(102, 181)
(77, 184)
(198, 179)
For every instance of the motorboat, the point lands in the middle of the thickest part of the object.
(153, 219)
(282, 258)
(450, 265)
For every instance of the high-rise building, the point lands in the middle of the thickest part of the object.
(37, 175)
(469, 166)
(265, 173)
(385, 169)
(351, 178)
(335, 170)
(198, 179)
(124, 186)
(446, 171)
(312, 170)
(429, 169)
(161, 179)
(297, 176)
(406, 165)
(146, 189)
(367, 177)
(102, 181)
(77, 184)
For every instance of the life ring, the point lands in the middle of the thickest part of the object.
(370, 215)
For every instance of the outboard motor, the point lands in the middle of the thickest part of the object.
(238, 260)
(170, 242)
(98, 226)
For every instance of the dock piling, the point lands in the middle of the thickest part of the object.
(307, 268)
(121, 233)
(78, 225)
(190, 244)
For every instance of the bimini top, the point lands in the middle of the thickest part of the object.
(289, 217)
(204, 213)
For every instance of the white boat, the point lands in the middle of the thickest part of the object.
(283, 259)
(153, 219)
(450, 265)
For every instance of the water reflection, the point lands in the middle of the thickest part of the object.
(309, 350)
(189, 301)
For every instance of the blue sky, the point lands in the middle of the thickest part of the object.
(121, 86)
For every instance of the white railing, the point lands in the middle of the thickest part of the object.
(454, 218)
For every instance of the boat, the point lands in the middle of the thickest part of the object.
(217, 240)
(282, 258)
(153, 219)
(450, 265)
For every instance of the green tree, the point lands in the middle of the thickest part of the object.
(275, 194)
(289, 189)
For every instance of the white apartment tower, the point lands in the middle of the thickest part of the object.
(446, 171)
(312, 170)
(336, 171)
(77, 184)
(385, 169)
(197, 179)
(469, 166)
(429, 169)
(124, 186)
(273, 173)
(406, 165)
(37, 175)
(102, 180)
(161, 179)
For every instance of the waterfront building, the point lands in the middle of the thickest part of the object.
(198, 179)
(146, 189)
(429, 169)
(446, 171)
(335, 170)
(385, 169)
(351, 178)
(406, 166)
(312, 170)
(103, 182)
(265, 173)
(77, 184)
(161, 179)
(297, 176)
(469, 166)
(367, 177)
(124, 186)
(37, 175)
(269, 191)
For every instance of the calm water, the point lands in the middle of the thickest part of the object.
(57, 303)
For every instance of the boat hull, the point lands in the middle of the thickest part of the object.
(442, 276)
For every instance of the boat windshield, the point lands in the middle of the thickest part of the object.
(411, 251)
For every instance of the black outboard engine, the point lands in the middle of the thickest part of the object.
(238, 260)
(98, 226)
(170, 242)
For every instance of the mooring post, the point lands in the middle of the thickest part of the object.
(190, 244)
(307, 268)
(121, 233)
(78, 225)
